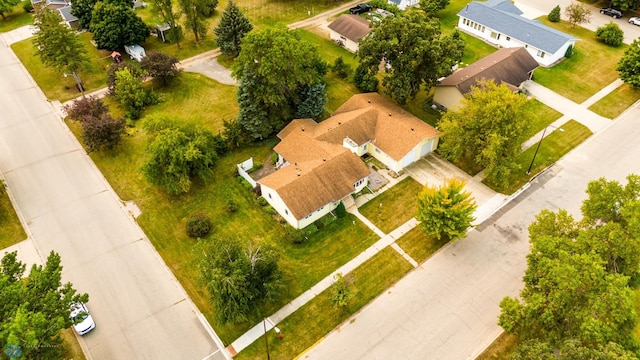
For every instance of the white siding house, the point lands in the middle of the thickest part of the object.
(500, 23)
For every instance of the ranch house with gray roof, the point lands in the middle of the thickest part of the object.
(500, 23)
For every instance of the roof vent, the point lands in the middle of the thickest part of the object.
(369, 101)
(324, 159)
(389, 114)
(339, 122)
(303, 129)
(298, 174)
(411, 129)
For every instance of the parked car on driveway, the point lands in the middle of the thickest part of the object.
(614, 13)
(360, 9)
(136, 52)
(635, 21)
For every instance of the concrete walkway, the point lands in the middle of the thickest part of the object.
(569, 109)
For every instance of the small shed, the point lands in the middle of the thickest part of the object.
(162, 30)
(68, 18)
(348, 29)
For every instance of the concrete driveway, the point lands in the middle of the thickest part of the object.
(67, 206)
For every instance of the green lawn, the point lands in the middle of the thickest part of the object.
(417, 245)
(616, 101)
(552, 148)
(318, 317)
(163, 217)
(15, 19)
(11, 231)
(501, 348)
(54, 85)
(590, 69)
(542, 116)
(393, 207)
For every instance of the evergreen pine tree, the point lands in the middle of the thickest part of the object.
(232, 28)
(554, 15)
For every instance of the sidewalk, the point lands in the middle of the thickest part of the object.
(569, 109)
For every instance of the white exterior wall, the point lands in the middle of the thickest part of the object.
(348, 44)
(501, 40)
(384, 158)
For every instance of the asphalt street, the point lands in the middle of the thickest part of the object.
(67, 206)
(448, 307)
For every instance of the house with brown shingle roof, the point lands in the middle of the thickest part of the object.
(510, 66)
(348, 29)
(319, 164)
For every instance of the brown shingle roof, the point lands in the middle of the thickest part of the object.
(507, 65)
(321, 170)
(350, 26)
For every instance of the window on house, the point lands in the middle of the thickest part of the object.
(378, 150)
(495, 35)
(482, 29)
(541, 53)
(508, 38)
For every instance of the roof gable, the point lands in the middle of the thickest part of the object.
(501, 16)
(507, 65)
(353, 27)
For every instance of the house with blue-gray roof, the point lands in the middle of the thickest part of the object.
(500, 23)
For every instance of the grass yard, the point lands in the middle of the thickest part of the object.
(417, 245)
(616, 101)
(11, 231)
(163, 218)
(552, 148)
(591, 68)
(542, 116)
(318, 317)
(501, 348)
(393, 207)
(15, 19)
(72, 349)
(54, 85)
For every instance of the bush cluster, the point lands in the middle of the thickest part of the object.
(198, 225)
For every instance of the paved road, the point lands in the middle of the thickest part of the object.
(140, 309)
(448, 307)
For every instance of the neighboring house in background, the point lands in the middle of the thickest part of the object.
(510, 66)
(68, 18)
(319, 163)
(348, 29)
(499, 23)
(50, 4)
(404, 4)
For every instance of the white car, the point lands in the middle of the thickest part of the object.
(82, 320)
(635, 21)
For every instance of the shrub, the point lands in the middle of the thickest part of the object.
(198, 225)
(274, 159)
(86, 108)
(160, 66)
(220, 145)
(102, 132)
(231, 206)
(569, 52)
(554, 15)
(385, 5)
(270, 210)
(341, 68)
(341, 211)
(341, 292)
(114, 68)
(262, 201)
(295, 236)
(610, 34)
(311, 229)
(27, 6)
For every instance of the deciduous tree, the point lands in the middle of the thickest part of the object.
(273, 66)
(115, 24)
(625, 5)
(445, 211)
(577, 291)
(6, 6)
(432, 7)
(240, 280)
(102, 132)
(59, 47)
(83, 9)
(231, 30)
(487, 130)
(160, 66)
(577, 14)
(34, 309)
(177, 154)
(610, 34)
(629, 65)
(415, 52)
(194, 18)
(131, 93)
